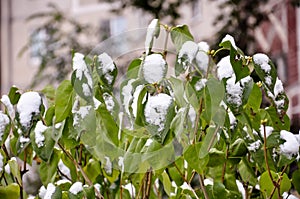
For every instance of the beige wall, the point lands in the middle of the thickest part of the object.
(20, 70)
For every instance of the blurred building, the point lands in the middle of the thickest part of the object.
(15, 30)
(279, 37)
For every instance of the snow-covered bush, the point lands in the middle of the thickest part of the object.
(201, 132)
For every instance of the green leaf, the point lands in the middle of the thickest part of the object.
(47, 170)
(63, 100)
(219, 190)
(238, 148)
(14, 168)
(133, 69)
(216, 158)
(151, 33)
(255, 98)
(267, 186)
(180, 34)
(246, 172)
(239, 69)
(190, 155)
(11, 191)
(45, 151)
(178, 89)
(296, 180)
(92, 170)
(209, 141)
(166, 183)
(49, 115)
(14, 95)
(106, 70)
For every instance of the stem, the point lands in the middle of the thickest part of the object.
(166, 42)
(196, 123)
(277, 186)
(213, 138)
(149, 177)
(266, 157)
(202, 186)
(180, 173)
(225, 163)
(98, 194)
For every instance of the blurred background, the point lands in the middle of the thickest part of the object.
(37, 36)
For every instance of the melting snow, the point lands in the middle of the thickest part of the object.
(28, 106)
(224, 69)
(188, 51)
(39, 133)
(278, 88)
(106, 66)
(269, 130)
(127, 95)
(121, 163)
(6, 101)
(254, 146)
(76, 188)
(234, 92)
(230, 39)
(81, 68)
(151, 32)
(108, 166)
(109, 102)
(4, 121)
(47, 193)
(64, 169)
(154, 68)
(131, 189)
(156, 110)
(86, 89)
(263, 61)
(80, 114)
(291, 145)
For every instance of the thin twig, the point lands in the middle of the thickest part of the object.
(202, 186)
(278, 182)
(98, 194)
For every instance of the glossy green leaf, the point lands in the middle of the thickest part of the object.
(14, 95)
(133, 69)
(63, 101)
(11, 191)
(194, 161)
(14, 168)
(48, 169)
(166, 183)
(179, 35)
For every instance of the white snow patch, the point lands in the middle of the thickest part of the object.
(80, 114)
(97, 103)
(224, 68)
(278, 88)
(7, 169)
(203, 46)
(63, 181)
(127, 95)
(151, 32)
(106, 66)
(230, 39)
(186, 186)
(108, 166)
(6, 101)
(268, 80)
(156, 110)
(64, 169)
(202, 60)
(136, 94)
(232, 119)
(86, 89)
(200, 84)
(269, 130)
(4, 121)
(148, 142)
(121, 163)
(208, 182)
(28, 106)
(154, 68)
(234, 92)
(263, 61)
(23, 140)
(130, 188)
(286, 195)
(39, 130)
(81, 68)
(254, 146)
(76, 188)
(188, 51)
(291, 145)
(241, 188)
(47, 193)
(109, 102)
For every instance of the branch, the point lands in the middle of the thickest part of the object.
(98, 194)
